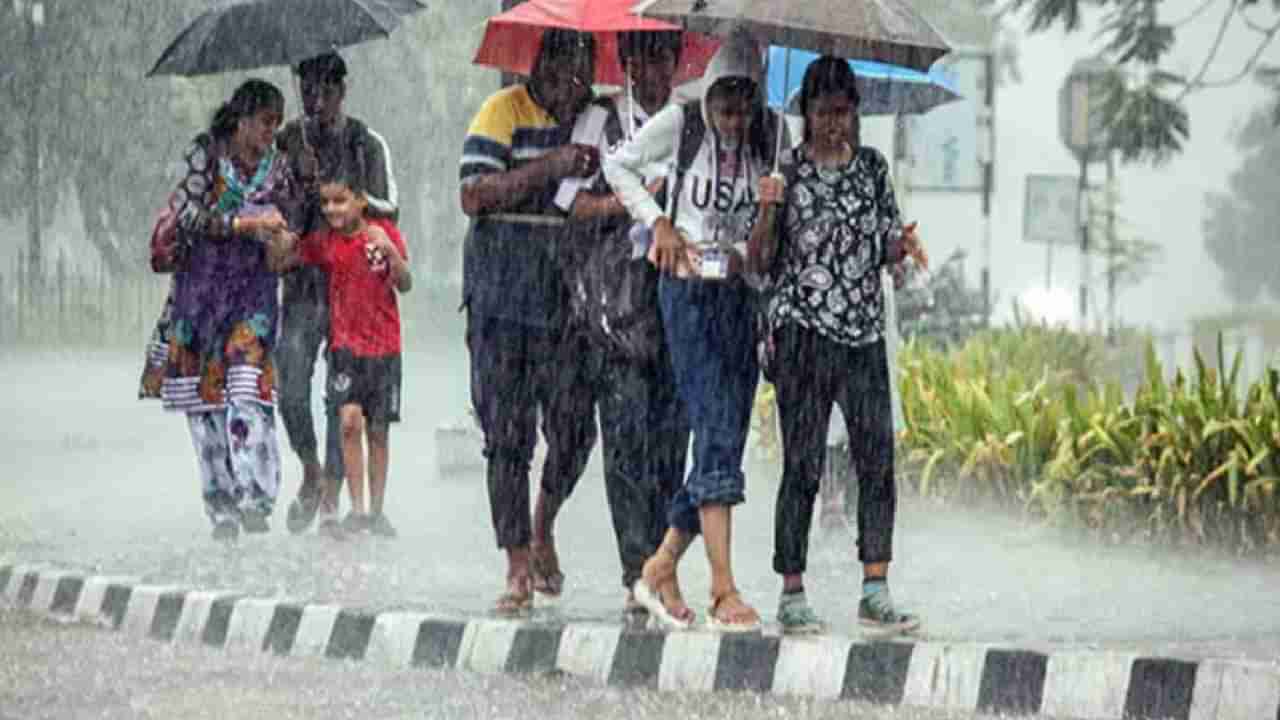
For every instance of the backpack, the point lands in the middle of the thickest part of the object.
(614, 294)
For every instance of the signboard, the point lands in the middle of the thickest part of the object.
(945, 142)
(1051, 211)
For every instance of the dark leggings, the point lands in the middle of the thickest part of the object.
(811, 374)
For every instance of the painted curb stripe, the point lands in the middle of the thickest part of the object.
(811, 666)
(315, 630)
(27, 589)
(283, 629)
(746, 662)
(1012, 682)
(219, 622)
(394, 637)
(168, 612)
(588, 651)
(534, 649)
(142, 610)
(877, 672)
(1160, 688)
(944, 676)
(1086, 684)
(196, 609)
(115, 601)
(46, 586)
(66, 595)
(486, 644)
(438, 643)
(350, 635)
(93, 596)
(249, 622)
(689, 661)
(637, 659)
(1235, 690)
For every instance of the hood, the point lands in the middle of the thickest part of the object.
(739, 56)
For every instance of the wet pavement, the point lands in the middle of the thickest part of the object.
(55, 671)
(93, 480)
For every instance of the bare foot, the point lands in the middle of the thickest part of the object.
(517, 599)
(730, 613)
(545, 567)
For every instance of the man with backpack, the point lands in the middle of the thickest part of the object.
(319, 143)
(642, 423)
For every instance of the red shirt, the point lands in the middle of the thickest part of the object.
(363, 314)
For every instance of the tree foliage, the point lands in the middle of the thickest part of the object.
(1239, 225)
(1145, 112)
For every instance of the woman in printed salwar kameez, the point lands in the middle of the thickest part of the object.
(219, 327)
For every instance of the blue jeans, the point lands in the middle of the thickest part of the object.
(709, 330)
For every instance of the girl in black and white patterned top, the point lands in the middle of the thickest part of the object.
(822, 239)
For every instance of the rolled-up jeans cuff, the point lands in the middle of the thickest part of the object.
(717, 488)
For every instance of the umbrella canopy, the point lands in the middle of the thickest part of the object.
(260, 33)
(885, 89)
(512, 39)
(888, 31)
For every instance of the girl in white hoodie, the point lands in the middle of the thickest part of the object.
(699, 243)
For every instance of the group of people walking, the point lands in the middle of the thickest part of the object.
(750, 256)
(310, 208)
(754, 267)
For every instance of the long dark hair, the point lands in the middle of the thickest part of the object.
(760, 134)
(252, 96)
(827, 76)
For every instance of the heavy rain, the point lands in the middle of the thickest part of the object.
(829, 358)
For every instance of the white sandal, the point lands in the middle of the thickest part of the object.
(652, 601)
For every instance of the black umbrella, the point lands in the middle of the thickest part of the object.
(251, 34)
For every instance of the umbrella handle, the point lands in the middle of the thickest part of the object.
(302, 121)
(782, 116)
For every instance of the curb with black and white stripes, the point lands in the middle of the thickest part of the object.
(984, 678)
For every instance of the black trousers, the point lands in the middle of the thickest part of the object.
(519, 372)
(812, 373)
(645, 432)
(304, 327)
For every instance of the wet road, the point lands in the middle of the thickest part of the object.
(65, 672)
(93, 480)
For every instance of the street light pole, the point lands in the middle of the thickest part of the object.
(1084, 242)
(1111, 246)
(33, 15)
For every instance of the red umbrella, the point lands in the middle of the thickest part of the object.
(511, 39)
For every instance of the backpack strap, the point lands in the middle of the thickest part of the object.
(693, 131)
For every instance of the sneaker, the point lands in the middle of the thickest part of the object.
(226, 531)
(254, 521)
(797, 618)
(302, 511)
(331, 528)
(877, 612)
(355, 523)
(379, 525)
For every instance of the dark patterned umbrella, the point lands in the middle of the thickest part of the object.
(251, 34)
(887, 31)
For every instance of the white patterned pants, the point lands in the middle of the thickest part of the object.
(238, 458)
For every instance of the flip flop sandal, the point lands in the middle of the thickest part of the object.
(652, 601)
(513, 604)
(727, 626)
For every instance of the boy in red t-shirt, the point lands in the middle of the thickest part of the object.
(367, 263)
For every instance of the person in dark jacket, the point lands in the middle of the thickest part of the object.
(319, 142)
